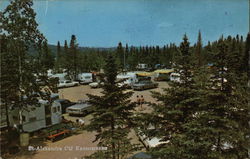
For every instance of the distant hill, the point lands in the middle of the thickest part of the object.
(53, 48)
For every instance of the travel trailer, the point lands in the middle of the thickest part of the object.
(85, 78)
(36, 117)
(128, 79)
(60, 76)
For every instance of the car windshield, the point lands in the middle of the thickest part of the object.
(82, 101)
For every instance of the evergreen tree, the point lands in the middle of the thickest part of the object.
(65, 55)
(19, 72)
(58, 64)
(58, 53)
(72, 58)
(120, 55)
(176, 110)
(112, 116)
(198, 51)
(205, 115)
(245, 67)
(47, 59)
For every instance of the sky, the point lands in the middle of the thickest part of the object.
(105, 23)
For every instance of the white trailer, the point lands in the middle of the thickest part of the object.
(60, 76)
(85, 78)
(36, 117)
(129, 78)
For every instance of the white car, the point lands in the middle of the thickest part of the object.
(67, 83)
(96, 84)
(82, 107)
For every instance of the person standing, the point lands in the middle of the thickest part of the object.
(141, 101)
(138, 100)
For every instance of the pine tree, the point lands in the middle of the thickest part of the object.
(198, 51)
(72, 58)
(226, 108)
(112, 116)
(19, 69)
(120, 55)
(47, 59)
(58, 53)
(58, 61)
(245, 67)
(176, 110)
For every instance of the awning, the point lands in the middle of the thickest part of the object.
(164, 71)
(145, 74)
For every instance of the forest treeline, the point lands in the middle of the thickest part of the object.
(72, 57)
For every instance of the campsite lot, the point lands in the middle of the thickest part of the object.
(84, 138)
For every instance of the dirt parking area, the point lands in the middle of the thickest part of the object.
(71, 145)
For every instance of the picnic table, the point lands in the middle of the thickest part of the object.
(57, 131)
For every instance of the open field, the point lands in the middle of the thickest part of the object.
(83, 138)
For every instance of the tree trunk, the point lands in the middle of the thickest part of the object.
(112, 135)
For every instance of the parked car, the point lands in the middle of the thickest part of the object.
(96, 84)
(65, 103)
(67, 83)
(80, 108)
(141, 85)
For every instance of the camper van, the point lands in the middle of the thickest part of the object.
(85, 78)
(36, 117)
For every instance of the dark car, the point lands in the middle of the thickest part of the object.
(141, 85)
(65, 103)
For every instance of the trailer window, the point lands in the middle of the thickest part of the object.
(54, 110)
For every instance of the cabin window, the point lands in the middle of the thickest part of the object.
(54, 110)
(32, 119)
(58, 109)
